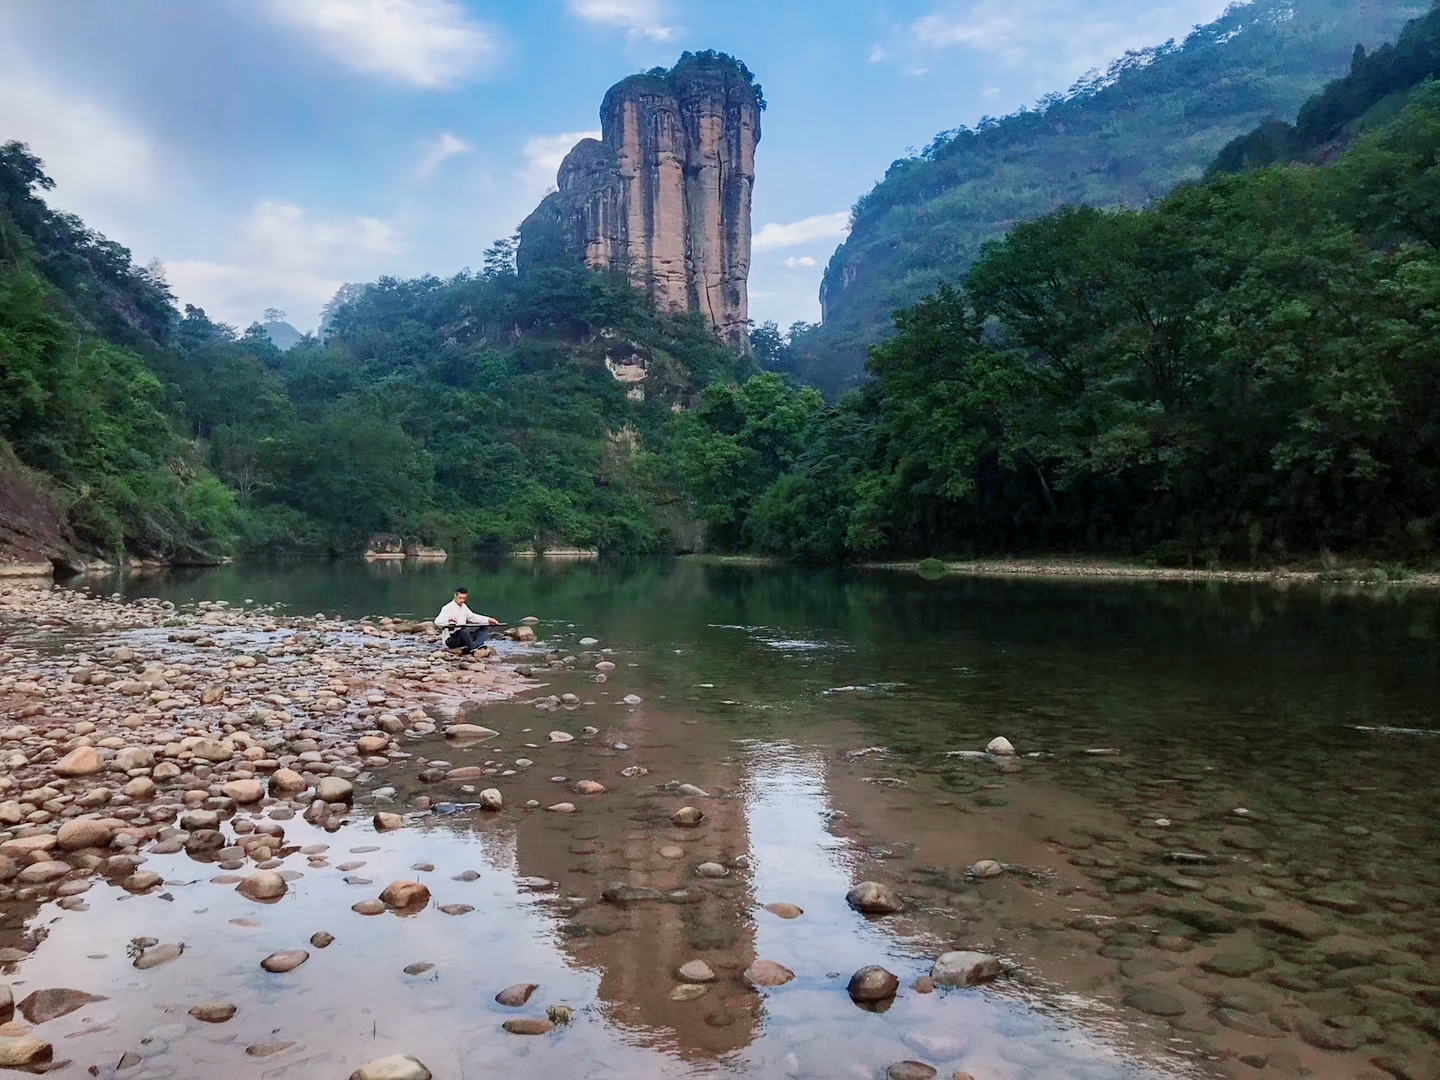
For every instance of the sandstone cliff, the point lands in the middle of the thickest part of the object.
(664, 194)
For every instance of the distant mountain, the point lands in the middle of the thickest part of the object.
(1157, 118)
(282, 335)
(1379, 85)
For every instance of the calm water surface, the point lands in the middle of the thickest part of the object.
(1243, 884)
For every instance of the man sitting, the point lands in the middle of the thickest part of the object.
(465, 629)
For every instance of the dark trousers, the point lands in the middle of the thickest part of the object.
(468, 638)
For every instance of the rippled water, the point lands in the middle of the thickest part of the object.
(1220, 840)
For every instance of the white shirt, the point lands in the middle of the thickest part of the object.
(453, 614)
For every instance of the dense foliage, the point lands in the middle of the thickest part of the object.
(480, 411)
(1156, 118)
(1378, 85)
(79, 400)
(1245, 371)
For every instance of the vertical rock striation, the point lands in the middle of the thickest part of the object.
(664, 195)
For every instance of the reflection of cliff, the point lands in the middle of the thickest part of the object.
(637, 947)
(664, 195)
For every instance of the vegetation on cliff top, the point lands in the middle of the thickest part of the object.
(1156, 118)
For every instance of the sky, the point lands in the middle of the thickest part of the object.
(268, 151)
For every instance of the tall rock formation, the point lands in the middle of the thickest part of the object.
(664, 194)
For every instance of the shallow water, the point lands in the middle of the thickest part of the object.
(1239, 728)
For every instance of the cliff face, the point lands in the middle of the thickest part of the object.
(664, 195)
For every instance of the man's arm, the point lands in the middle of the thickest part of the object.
(447, 616)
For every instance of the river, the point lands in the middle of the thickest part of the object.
(1218, 838)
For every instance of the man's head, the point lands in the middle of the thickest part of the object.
(461, 594)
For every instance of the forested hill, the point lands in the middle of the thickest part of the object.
(485, 411)
(1377, 87)
(1155, 119)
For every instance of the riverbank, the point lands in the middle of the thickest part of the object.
(1100, 569)
(122, 717)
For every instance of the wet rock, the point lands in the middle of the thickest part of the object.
(394, 1067)
(1327, 1036)
(25, 1051)
(687, 817)
(529, 1025)
(562, 808)
(200, 820)
(767, 973)
(1296, 923)
(711, 870)
(405, 894)
(141, 881)
(279, 963)
(911, 1070)
(418, 969)
(264, 1050)
(157, 955)
(874, 898)
(43, 1006)
(332, 789)
(263, 885)
(987, 868)
(388, 822)
(962, 968)
(322, 939)
(515, 996)
(1155, 1002)
(213, 750)
(286, 782)
(1236, 958)
(43, 873)
(632, 699)
(689, 992)
(590, 787)
(82, 761)
(244, 791)
(469, 732)
(85, 833)
(561, 737)
(1337, 898)
(213, 1012)
(455, 909)
(491, 799)
(1000, 747)
(368, 907)
(621, 893)
(873, 983)
(696, 971)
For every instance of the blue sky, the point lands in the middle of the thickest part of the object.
(267, 151)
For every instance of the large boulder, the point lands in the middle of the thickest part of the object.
(873, 898)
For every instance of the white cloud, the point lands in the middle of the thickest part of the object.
(808, 231)
(1065, 37)
(281, 259)
(642, 17)
(543, 155)
(877, 54)
(439, 150)
(93, 156)
(425, 43)
(803, 262)
(991, 92)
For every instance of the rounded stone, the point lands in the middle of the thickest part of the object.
(263, 885)
(873, 983)
(394, 1067)
(696, 971)
(491, 799)
(874, 898)
(515, 996)
(768, 973)
(84, 833)
(82, 761)
(213, 1012)
(963, 968)
(405, 894)
(388, 822)
(911, 1070)
(528, 1025)
(332, 789)
(687, 817)
(284, 960)
(1000, 747)
(244, 792)
(785, 911)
